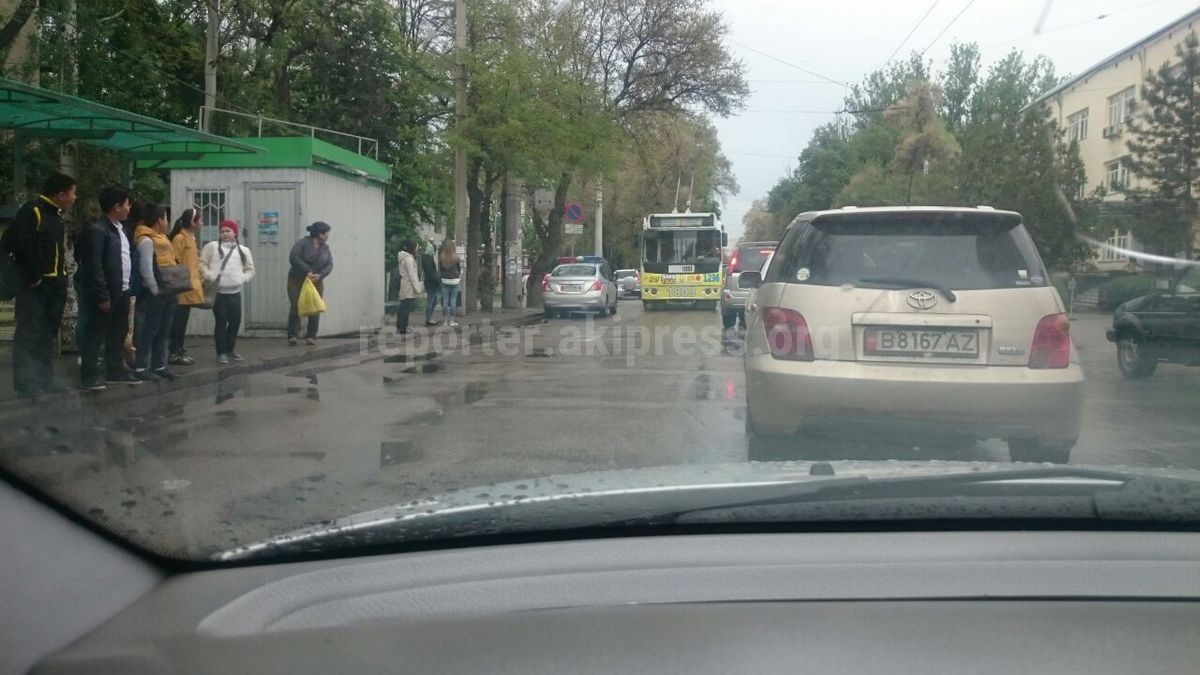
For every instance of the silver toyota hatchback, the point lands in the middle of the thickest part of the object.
(913, 324)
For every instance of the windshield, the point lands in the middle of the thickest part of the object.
(575, 271)
(682, 247)
(341, 278)
(947, 251)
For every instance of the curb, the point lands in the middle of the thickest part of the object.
(76, 399)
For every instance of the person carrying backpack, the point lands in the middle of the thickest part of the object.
(35, 244)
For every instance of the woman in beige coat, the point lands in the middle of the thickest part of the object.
(409, 289)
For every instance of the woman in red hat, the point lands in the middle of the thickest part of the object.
(230, 266)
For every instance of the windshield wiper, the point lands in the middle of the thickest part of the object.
(1067, 492)
(911, 283)
(829, 493)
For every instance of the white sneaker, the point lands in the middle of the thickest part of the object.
(452, 324)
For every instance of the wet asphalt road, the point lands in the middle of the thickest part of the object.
(263, 454)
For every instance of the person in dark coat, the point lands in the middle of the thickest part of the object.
(310, 259)
(36, 241)
(433, 284)
(103, 283)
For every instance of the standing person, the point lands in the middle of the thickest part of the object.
(183, 240)
(433, 285)
(450, 273)
(310, 259)
(155, 305)
(35, 240)
(229, 265)
(103, 283)
(408, 284)
(135, 286)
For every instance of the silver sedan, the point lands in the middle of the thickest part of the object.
(583, 287)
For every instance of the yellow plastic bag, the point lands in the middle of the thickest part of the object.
(310, 301)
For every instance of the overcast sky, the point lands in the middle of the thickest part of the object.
(843, 40)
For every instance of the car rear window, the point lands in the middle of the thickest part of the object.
(623, 274)
(950, 250)
(575, 271)
(753, 257)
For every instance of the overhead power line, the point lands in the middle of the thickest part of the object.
(1098, 17)
(910, 33)
(952, 22)
(789, 64)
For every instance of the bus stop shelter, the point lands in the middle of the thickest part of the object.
(31, 113)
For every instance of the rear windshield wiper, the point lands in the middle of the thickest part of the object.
(911, 283)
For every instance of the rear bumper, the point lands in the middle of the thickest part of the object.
(902, 402)
(592, 300)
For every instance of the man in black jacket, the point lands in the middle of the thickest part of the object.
(36, 241)
(103, 284)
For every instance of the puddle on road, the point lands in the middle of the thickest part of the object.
(398, 452)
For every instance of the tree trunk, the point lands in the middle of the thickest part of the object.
(474, 216)
(487, 281)
(551, 244)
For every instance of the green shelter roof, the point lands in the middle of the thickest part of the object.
(34, 112)
(290, 152)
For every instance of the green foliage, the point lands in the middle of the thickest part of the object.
(1165, 147)
(1125, 288)
(965, 140)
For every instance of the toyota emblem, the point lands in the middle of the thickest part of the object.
(922, 299)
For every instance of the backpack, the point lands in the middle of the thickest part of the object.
(10, 275)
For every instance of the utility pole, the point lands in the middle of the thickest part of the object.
(66, 152)
(600, 217)
(513, 189)
(211, 48)
(459, 233)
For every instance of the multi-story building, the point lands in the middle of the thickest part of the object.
(1095, 108)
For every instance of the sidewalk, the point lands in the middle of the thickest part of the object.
(260, 354)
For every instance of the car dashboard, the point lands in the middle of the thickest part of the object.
(895, 602)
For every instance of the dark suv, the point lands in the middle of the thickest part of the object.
(750, 256)
(1162, 326)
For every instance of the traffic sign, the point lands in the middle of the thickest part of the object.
(573, 212)
(573, 228)
(543, 199)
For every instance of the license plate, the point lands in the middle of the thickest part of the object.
(681, 292)
(681, 269)
(570, 288)
(921, 342)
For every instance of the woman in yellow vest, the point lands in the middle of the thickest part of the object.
(183, 240)
(155, 305)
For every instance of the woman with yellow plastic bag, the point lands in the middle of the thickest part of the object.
(312, 263)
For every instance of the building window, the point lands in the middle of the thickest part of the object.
(1115, 247)
(1077, 126)
(1120, 107)
(1081, 191)
(212, 208)
(1116, 175)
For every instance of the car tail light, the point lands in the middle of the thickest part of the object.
(733, 262)
(787, 334)
(599, 285)
(638, 275)
(1051, 343)
(546, 282)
